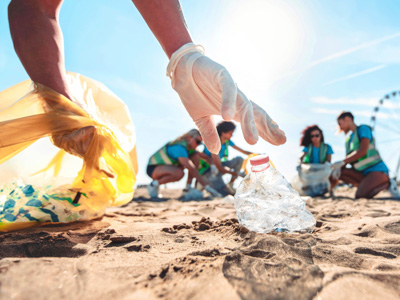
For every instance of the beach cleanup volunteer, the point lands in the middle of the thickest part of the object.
(368, 172)
(205, 87)
(225, 130)
(167, 164)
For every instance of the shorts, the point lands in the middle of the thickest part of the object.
(150, 169)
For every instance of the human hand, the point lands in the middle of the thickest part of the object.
(212, 191)
(206, 88)
(338, 165)
(75, 142)
(336, 173)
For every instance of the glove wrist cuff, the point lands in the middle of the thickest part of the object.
(178, 54)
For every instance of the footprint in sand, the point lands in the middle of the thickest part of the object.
(393, 227)
(365, 250)
(269, 268)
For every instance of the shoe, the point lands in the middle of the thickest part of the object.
(153, 188)
(230, 189)
(187, 188)
(393, 189)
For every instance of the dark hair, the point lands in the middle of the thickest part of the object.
(344, 115)
(306, 138)
(225, 126)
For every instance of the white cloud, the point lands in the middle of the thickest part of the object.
(370, 101)
(354, 75)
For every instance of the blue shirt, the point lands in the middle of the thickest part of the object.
(365, 131)
(314, 159)
(221, 152)
(176, 151)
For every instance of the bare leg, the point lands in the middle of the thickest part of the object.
(38, 41)
(372, 184)
(166, 174)
(351, 176)
(166, 21)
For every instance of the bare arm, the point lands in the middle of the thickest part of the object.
(188, 164)
(38, 41)
(206, 157)
(301, 158)
(166, 21)
(329, 157)
(220, 167)
(362, 151)
(241, 150)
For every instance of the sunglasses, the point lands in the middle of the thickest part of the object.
(198, 142)
(315, 135)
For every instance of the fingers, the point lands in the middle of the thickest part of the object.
(209, 134)
(229, 95)
(244, 115)
(267, 128)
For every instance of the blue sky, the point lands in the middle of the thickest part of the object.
(303, 61)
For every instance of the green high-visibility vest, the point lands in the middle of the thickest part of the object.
(161, 157)
(323, 153)
(371, 158)
(203, 165)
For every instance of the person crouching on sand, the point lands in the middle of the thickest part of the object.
(223, 165)
(368, 172)
(168, 163)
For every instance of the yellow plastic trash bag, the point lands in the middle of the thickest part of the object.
(61, 160)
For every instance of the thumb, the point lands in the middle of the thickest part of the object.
(209, 134)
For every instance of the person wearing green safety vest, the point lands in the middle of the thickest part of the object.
(315, 150)
(368, 172)
(168, 163)
(222, 164)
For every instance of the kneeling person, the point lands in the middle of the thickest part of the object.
(369, 173)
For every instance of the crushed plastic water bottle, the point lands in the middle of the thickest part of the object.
(266, 202)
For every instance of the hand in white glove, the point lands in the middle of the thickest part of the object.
(214, 171)
(336, 173)
(206, 88)
(212, 191)
(338, 165)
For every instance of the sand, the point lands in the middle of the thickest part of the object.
(197, 250)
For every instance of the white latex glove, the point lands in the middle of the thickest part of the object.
(206, 88)
(337, 165)
(212, 191)
(336, 173)
(214, 171)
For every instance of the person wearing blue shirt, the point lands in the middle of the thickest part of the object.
(368, 172)
(315, 150)
(167, 164)
(223, 165)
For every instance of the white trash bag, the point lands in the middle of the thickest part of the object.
(312, 179)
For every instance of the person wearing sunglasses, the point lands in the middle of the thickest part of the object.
(221, 164)
(315, 150)
(168, 163)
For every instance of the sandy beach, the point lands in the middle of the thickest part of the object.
(197, 250)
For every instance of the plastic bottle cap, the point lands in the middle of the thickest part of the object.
(259, 160)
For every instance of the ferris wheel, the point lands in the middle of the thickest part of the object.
(385, 122)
